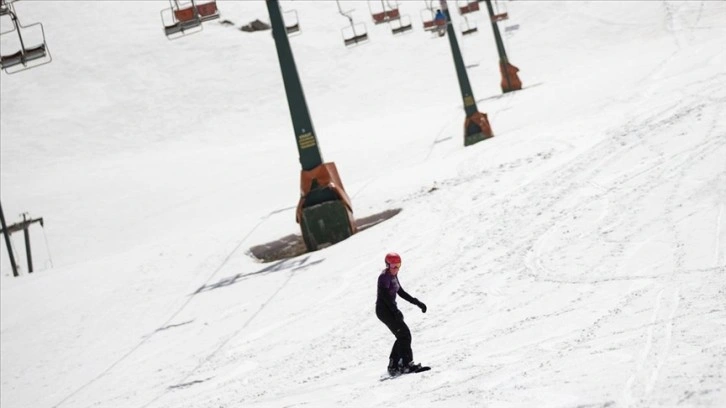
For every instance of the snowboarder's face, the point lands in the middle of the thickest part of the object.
(393, 268)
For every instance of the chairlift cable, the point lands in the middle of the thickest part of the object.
(47, 247)
(15, 253)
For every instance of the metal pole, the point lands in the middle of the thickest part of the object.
(350, 19)
(307, 143)
(497, 35)
(7, 242)
(28, 255)
(510, 79)
(16, 24)
(500, 44)
(466, 93)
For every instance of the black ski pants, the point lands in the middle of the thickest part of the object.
(402, 346)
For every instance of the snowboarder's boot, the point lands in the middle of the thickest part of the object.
(411, 367)
(394, 367)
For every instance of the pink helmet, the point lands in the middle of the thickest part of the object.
(393, 258)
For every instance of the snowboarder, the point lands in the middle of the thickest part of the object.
(401, 358)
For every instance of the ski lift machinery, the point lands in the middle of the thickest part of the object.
(186, 17)
(356, 33)
(18, 37)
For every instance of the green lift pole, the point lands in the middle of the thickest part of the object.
(476, 124)
(324, 210)
(510, 79)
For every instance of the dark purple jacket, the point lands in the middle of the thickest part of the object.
(388, 288)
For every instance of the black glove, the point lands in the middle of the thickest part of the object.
(421, 305)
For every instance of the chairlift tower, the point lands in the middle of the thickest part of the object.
(6, 234)
(324, 211)
(476, 124)
(23, 225)
(510, 79)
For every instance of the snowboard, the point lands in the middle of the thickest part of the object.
(420, 370)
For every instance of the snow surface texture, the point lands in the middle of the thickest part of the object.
(576, 259)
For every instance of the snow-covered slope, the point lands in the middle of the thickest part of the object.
(576, 259)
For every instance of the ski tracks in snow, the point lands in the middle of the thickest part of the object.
(655, 349)
(539, 234)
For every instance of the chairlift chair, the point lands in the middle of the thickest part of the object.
(181, 19)
(468, 28)
(27, 56)
(467, 6)
(208, 10)
(186, 17)
(500, 17)
(354, 34)
(385, 13)
(500, 13)
(430, 23)
(427, 18)
(401, 25)
(292, 23)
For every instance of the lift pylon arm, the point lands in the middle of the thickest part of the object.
(19, 226)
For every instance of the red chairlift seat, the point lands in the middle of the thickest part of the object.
(386, 16)
(202, 12)
(427, 18)
(500, 17)
(470, 7)
(179, 21)
(433, 24)
(208, 11)
(186, 14)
